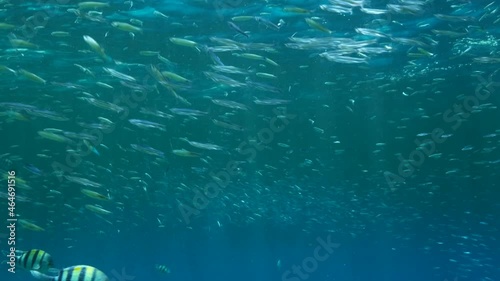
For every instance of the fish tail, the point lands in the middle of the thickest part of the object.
(108, 59)
(5, 254)
(41, 276)
(53, 270)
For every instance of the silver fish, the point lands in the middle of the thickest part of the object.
(187, 112)
(207, 146)
(147, 124)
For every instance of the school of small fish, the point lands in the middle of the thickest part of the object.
(111, 106)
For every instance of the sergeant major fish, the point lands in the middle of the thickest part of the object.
(78, 272)
(162, 268)
(37, 260)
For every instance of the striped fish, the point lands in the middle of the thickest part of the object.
(74, 273)
(35, 259)
(162, 268)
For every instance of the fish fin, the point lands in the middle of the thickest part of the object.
(5, 253)
(41, 276)
(54, 271)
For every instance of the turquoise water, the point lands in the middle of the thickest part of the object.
(253, 140)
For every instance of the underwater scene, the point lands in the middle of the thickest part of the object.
(264, 140)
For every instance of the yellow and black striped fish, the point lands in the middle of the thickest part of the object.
(74, 273)
(162, 268)
(35, 259)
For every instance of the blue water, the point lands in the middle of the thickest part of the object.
(362, 147)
